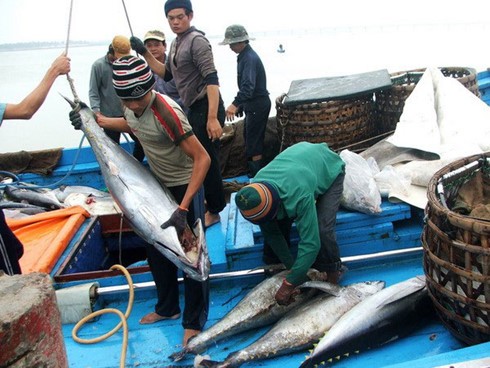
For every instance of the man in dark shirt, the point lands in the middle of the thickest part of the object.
(252, 97)
(190, 63)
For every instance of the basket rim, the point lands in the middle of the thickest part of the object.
(471, 223)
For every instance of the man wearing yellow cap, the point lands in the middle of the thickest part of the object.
(156, 44)
(304, 183)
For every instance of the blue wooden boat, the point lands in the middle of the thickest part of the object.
(483, 79)
(383, 247)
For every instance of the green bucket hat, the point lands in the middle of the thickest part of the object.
(234, 34)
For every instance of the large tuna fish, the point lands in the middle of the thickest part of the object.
(303, 326)
(145, 203)
(257, 309)
(392, 313)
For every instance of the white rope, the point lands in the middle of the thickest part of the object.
(5, 256)
(127, 17)
(70, 81)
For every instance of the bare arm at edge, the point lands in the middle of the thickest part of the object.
(33, 101)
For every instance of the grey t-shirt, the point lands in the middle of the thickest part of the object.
(167, 160)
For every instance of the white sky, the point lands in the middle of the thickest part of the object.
(100, 20)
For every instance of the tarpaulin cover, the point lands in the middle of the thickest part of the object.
(442, 122)
(45, 236)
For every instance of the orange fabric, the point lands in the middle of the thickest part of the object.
(45, 236)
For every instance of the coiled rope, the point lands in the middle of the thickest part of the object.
(122, 323)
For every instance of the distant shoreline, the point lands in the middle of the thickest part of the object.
(24, 46)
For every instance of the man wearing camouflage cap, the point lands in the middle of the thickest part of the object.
(252, 97)
(155, 42)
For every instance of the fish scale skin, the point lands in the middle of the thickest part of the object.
(302, 327)
(393, 312)
(257, 309)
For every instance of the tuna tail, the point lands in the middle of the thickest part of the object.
(72, 103)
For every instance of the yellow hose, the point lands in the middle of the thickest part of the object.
(122, 316)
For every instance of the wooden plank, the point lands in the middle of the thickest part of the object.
(390, 212)
(351, 227)
(405, 237)
(364, 233)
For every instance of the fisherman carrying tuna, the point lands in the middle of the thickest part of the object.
(178, 161)
(304, 183)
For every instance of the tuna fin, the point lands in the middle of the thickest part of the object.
(324, 286)
(418, 284)
(179, 355)
(306, 363)
(209, 363)
(272, 268)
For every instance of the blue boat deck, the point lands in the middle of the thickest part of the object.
(150, 345)
(368, 245)
(384, 247)
(483, 79)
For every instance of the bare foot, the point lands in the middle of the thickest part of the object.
(154, 317)
(211, 218)
(188, 333)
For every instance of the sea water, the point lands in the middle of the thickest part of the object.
(310, 53)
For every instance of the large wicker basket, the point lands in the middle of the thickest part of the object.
(339, 123)
(457, 252)
(390, 102)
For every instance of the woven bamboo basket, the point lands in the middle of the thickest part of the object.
(390, 102)
(457, 251)
(339, 123)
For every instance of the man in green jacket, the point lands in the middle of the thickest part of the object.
(304, 183)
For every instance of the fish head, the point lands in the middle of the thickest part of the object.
(200, 253)
(190, 253)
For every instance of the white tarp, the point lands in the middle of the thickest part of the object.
(441, 122)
